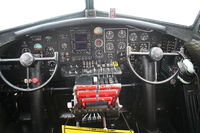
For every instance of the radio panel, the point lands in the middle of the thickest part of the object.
(81, 41)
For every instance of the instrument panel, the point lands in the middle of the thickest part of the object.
(87, 49)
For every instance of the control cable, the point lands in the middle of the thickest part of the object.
(126, 123)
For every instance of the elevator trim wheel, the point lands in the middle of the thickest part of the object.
(74, 129)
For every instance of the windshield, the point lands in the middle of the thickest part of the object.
(19, 12)
(181, 12)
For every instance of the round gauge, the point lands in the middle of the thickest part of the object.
(121, 45)
(98, 31)
(133, 36)
(143, 46)
(37, 46)
(24, 50)
(109, 46)
(144, 36)
(122, 34)
(99, 54)
(64, 45)
(98, 42)
(109, 34)
(49, 51)
(48, 38)
(133, 47)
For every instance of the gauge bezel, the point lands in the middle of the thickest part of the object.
(144, 34)
(112, 35)
(122, 44)
(131, 37)
(109, 44)
(95, 42)
(122, 35)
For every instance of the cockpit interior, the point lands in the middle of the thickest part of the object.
(94, 71)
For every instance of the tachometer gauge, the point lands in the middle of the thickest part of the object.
(109, 46)
(121, 45)
(133, 36)
(144, 36)
(98, 42)
(122, 34)
(99, 54)
(109, 34)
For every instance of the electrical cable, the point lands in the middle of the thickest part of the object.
(138, 131)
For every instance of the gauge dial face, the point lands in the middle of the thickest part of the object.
(133, 36)
(109, 46)
(133, 47)
(64, 45)
(144, 36)
(144, 46)
(49, 51)
(122, 34)
(98, 31)
(37, 46)
(98, 42)
(121, 45)
(109, 34)
(99, 54)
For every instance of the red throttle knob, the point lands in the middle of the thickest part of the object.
(35, 80)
